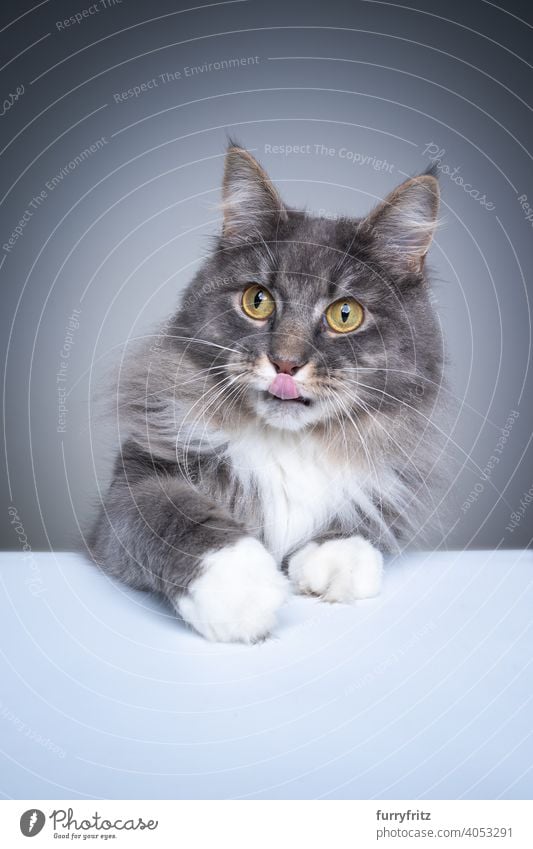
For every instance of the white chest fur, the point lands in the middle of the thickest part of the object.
(301, 488)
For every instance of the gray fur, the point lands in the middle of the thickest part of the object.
(184, 398)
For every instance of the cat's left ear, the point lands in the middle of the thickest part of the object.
(250, 201)
(404, 223)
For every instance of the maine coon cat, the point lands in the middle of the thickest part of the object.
(276, 429)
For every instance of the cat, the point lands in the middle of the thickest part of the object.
(276, 429)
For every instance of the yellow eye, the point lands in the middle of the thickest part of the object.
(345, 315)
(257, 302)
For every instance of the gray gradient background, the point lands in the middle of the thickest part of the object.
(124, 231)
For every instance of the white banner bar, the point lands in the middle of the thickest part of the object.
(264, 824)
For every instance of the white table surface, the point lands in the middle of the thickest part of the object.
(422, 693)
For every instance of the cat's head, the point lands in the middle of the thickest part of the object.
(296, 319)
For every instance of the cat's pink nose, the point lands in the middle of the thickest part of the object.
(286, 366)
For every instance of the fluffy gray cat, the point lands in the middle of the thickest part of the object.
(277, 430)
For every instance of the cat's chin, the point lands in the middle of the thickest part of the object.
(287, 415)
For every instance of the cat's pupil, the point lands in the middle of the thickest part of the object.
(259, 298)
(345, 312)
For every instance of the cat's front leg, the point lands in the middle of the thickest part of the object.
(157, 534)
(342, 569)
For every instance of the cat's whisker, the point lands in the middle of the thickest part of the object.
(237, 399)
(341, 428)
(423, 479)
(331, 440)
(227, 394)
(392, 418)
(364, 405)
(196, 340)
(333, 406)
(203, 411)
(167, 388)
(223, 397)
(216, 390)
(209, 411)
(409, 459)
(202, 375)
(441, 386)
(377, 481)
(429, 421)
(368, 457)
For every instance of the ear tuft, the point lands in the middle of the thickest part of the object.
(404, 223)
(249, 199)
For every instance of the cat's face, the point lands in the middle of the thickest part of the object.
(300, 320)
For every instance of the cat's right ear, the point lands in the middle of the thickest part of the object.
(250, 202)
(402, 226)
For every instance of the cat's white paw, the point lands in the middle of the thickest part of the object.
(343, 569)
(237, 595)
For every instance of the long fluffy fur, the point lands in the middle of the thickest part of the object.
(205, 461)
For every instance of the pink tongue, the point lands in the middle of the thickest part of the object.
(284, 387)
